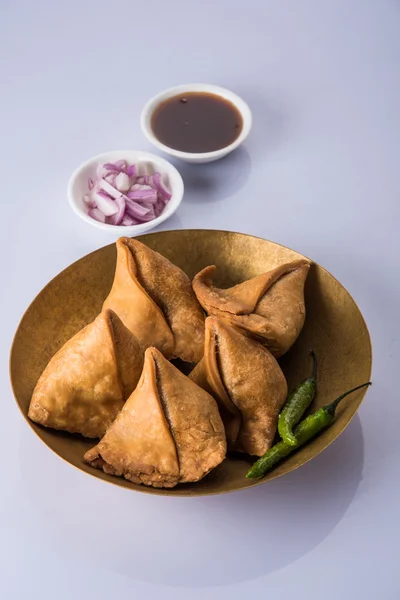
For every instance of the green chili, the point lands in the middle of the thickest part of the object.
(305, 431)
(296, 405)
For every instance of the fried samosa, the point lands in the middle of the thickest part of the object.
(269, 307)
(247, 383)
(168, 432)
(86, 383)
(155, 300)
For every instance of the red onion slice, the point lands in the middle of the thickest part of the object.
(134, 206)
(111, 168)
(135, 210)
(110, 189)
(103, 194)
(161, 187)
(107, 206)
(122, 182)
(110, 178)
(145, 179)
(131, 171)
(159, 207)
(150, 217)
(90, 184)
(96, 214)
(138, 186)
(121, 165)
(151, 209)
(143, 195)
(106, 169)
(150, 214)
(128, 221)
(117, 218)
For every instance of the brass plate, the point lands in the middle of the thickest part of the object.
(334, 328)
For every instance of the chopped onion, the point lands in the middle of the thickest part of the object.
(110, 178)
(103, 194)
(151, 209)
(107, 206)
(118, 196)
(121, 165)
(135, 210)
(128, 221)
(117, 218)
(131, 171)
(110, 189)
(122, 182)
(160, 186)
(144, 195)
(159, 207)
(96, 214)
(111, 168)
(144, 179)
(137, 186)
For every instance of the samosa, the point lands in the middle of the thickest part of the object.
(168, 432)
(247, 383)
(270, 307)
(87, 381)
(155, 300)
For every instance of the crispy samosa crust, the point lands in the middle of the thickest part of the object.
(247, 383)
(269, 307)
(168, 432)
(86, 383)
(155, 300)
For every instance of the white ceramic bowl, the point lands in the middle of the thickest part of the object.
(196, 157)
(147, 165)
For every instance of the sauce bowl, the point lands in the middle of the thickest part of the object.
(196, 157)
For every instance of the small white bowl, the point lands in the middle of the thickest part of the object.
(196, 157)
(147, 165)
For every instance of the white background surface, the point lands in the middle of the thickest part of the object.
(319, 173)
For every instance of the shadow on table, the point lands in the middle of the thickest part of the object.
(215, 181)
(193, 542)
(273, 123)
(174, 222)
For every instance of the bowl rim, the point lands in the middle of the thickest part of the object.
(188, 493)
(235, 99)
(140, 228)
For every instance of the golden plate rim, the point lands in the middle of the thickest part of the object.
(274, 474)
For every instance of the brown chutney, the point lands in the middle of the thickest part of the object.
(196, 122)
